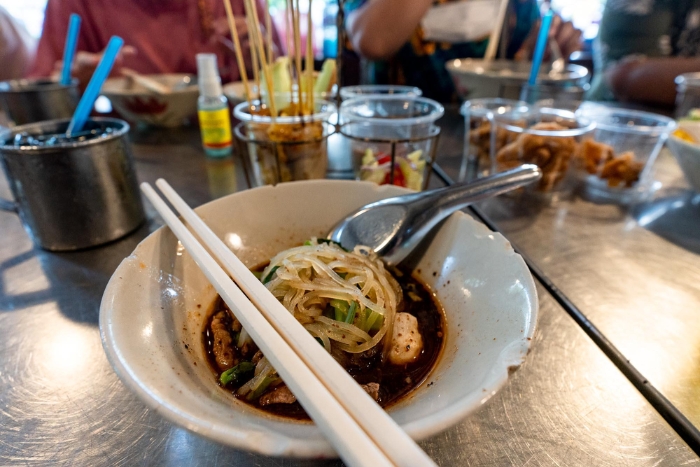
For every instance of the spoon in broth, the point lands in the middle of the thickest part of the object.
(393, 227)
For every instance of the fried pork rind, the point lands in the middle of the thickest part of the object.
(619, 171)
(480, 140)
(552, 154)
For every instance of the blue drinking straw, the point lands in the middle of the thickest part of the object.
(82, 112)
(539, 47)
(69, 49)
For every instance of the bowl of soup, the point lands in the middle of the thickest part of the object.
(469, 296)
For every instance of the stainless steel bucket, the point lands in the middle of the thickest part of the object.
(73, 195)
(37, 100)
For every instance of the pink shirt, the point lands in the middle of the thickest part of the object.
(166, 33)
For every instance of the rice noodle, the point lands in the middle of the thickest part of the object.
(305, 279)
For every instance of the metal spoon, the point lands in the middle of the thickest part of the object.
(393, 227)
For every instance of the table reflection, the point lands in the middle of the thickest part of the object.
(221, 174)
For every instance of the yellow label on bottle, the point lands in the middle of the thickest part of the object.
(216, 128)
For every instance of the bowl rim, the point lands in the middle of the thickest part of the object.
(187, 90)
(480, 106)
(35, 85)
(121, 128)
(586, 125)
(437, 112)
(325, 110)
(575, 72)
(362, 90)
(666, 124)
(509, 359)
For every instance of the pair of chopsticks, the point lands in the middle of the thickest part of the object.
(145, 81)
(362, 433)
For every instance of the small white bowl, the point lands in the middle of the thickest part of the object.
(140, 105)
(235, 92)
(153, 312)
(686, 153)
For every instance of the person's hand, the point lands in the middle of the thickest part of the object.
(222, 36)
(221, 30)
(563, 32)
(85, 63)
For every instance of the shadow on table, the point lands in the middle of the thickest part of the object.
(75, 281)
(675, 218)
(515, 213)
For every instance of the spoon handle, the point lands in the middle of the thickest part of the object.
(431, 207)
(459, 196)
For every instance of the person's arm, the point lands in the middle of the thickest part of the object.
(648, 80)
(379, 28)
(16, 47)
(563, 32)
(53, 35)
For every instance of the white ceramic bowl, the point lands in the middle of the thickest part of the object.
(686, 153)
(139, 105)
(504, 78)
(153, 311)
(235, 92)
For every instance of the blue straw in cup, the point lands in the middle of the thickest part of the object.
(540, 46)
(82, 112)
(69, 49)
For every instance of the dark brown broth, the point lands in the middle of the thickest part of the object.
(395, 381)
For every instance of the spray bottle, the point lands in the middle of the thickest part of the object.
(214, 119)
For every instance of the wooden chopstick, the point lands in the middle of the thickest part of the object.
(397, 445)
(145, 81)
(351, 442)
(496, 32)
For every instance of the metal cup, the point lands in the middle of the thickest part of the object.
(37, 100)
(73, 195)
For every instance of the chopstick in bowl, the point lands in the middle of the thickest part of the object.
(353, 444)
(363, 434)
(395, 442)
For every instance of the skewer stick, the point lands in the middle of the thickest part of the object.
(310, 61)
(267, 75)
(288, 31)
(268, 32)
(237, 45)
(287, 27)
(297, 50)
(253, 55)
(496, 32)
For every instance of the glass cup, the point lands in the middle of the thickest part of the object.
(289, 149)
(363, 90)
(479, 139)
(615, 166)
(548, 138)
(687, 95)
(392, 138)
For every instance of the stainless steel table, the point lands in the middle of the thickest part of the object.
(61, 404)
(635, 273)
